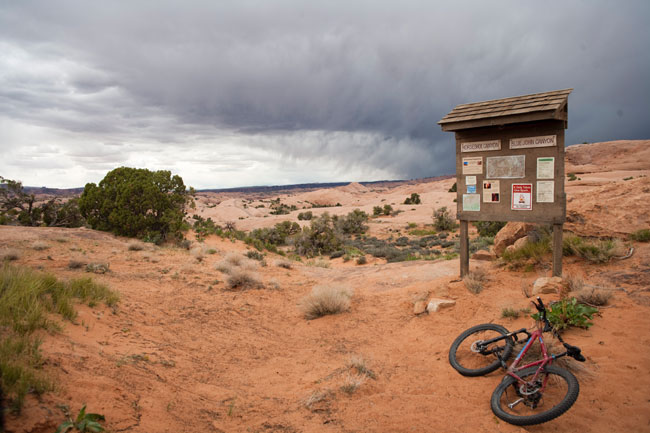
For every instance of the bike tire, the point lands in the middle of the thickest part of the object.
(470, 363)
(560, 395)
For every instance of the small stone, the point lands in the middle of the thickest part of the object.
(484, 255)
(546, 285)
(436, 304)
(420, 307)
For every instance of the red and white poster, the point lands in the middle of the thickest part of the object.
(522, 196)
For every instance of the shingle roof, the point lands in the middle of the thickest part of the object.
(537, 106)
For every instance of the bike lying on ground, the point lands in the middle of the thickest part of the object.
(529, 394)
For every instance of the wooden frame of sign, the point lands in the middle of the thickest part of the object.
(510, 164)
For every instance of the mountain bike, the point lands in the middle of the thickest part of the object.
(529, 394)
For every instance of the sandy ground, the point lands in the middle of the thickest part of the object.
(181, 353)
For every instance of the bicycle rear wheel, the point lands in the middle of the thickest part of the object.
(471, 358)
(526, 404)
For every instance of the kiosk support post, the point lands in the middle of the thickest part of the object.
(464, 248)
(557, 249)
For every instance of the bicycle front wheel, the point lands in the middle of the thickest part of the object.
(526, 404)
(470, 357)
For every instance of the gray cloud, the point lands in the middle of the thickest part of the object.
(353, 86)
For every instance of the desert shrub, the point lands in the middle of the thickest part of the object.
(135, 246)
(317, 239)
(453, 188)
(320, 263)
(337, 254)
(352, 383)
(243, 279)
(593, 297)
(324, 300)
(255, 255)
(535, 251)
(572, 176)
(595, 251)
(362, 260)
(488, 228)
(76, 264)
(569, 312)
(305, 216)
(9, 254)
(204, 227)
(40, 246)
(137, 203)
(509, 312)
(443, 220)
(198, 253)
(360, 364)
(29, 302)
(377, 210)
(413, 199)
(474, 280)
(642, 235)
(284, 263)
(98, 268)
(387, 210)
(352, 223)
(232, 261)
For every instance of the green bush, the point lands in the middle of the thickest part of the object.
(305, 216)
(453, 188)
(377, 210)
(137, 203)
(595, 251)
(488, 228)
(317, 239)
(413, 199)
(352, 223)
(641, 235)
(442, 219)
(388, 209)
(569, 312)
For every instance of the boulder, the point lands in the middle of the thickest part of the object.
(510, 233)
(520, 243)
(436, 304)
(546, 285)
(484, 255)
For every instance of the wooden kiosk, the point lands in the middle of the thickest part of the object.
(510, 164)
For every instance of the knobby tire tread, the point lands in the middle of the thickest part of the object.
(488, 368)
(566, 403)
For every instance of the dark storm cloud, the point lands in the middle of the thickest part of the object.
(361, 83)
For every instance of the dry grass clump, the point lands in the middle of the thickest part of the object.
(98, 268)
(324, 300)
(592, 250)
(353, 382)
(198, 253)
(316, 397)
(360, 364)
(76, 264)
(474, 280)
(592, 296)
(284, 263)
(9, 254)
(135, 246)
(234, 261)
(40, 246)
(243, 279)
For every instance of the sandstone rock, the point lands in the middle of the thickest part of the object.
(436, 304)
(546, 285)
(420, 307)
(509, 234)
(520, 243)
(510, 249)
(484, 255)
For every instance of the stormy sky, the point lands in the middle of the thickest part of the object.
(235, 93)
